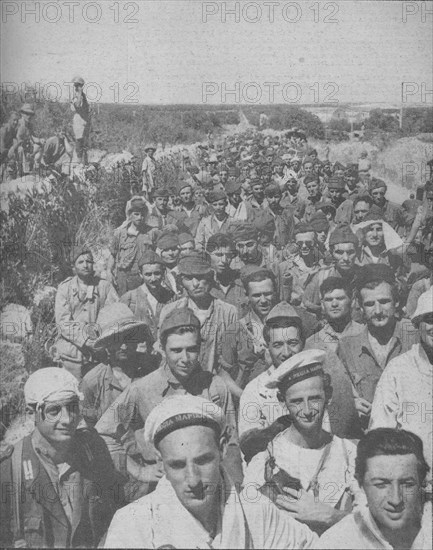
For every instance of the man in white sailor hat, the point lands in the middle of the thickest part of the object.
(196, 505)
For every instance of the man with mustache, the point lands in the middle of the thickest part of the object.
(391, 471)
(180, 373)
(365, 355)
(196, 504)
(403, 395)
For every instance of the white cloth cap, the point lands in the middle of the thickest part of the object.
(424, 305)
(51, 384)
(390, 237)
(301, 365)
(179, 411)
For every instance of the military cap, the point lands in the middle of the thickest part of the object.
(303, 227)
(179, 411)
(339, 166)
(244, 231)
(300, 366)
(375, 213)
(182, 184)
(374, 272)
(27, 109)
(319, 221)
(135, 203)
(185, 238)
(79, 250)
(336, 183)
(310, 160)
(160, 192)
(217, 196)
(149, 147)
(195, 263)
(167, 240)
(149, 257)
(178, 317)
(309, 178)
(272, 190)
(283, 310)
(323, 206)
(233, 186)
(376, 183)
(343, 234)
(78, 80)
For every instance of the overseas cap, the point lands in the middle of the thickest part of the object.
(51, 384)
(300, 366)
(283, 310)
(343, 235)
(185, 238)
(233, 186)
(303, 227)
(374, 214)
(179, 317)
(335, 183)
(424, 306)
(168, 240)
(77, 251)
(150, 257)
(376, 183)
(195, 263)
(374, 272)
(135, 203)
(160, 192)
(319, 221)
(245, 232)
(217, 196)
(78, 80)
(179, 411)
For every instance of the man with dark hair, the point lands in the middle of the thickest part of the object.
(343, 245)
(336, 302)
(233, 190)
(196, 505)
(391, 470)
(160, 212)
(59, 486)
(403, 395)
(361, 207)
(181, 373)
(227, 286)
(244, 353)
(196, 277)
(365, 355)
(246, 238)
(312, 185)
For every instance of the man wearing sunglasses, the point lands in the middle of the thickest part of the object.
(69, 487)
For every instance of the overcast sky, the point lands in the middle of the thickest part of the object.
(184, 52)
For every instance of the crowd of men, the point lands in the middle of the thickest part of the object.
(253, 369)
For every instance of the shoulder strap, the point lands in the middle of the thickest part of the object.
(16, 495)
(313, 482)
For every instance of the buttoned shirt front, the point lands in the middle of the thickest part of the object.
(361, 363)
